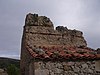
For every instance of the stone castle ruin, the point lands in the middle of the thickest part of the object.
(60, 51)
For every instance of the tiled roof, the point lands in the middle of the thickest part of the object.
(67, 53)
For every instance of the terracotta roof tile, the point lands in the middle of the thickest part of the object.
(63, 53)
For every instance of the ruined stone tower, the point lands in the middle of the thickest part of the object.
(39, 35)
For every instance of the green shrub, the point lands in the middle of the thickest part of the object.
(12, 70)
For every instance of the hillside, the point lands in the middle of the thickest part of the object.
(5, 62)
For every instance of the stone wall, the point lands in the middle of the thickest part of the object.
(65, 68)
(37, 35)
(39, 30)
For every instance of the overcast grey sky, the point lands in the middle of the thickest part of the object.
(83, 15)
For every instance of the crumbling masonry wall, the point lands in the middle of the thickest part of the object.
(39, 31)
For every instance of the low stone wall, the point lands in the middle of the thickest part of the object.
(65, 68)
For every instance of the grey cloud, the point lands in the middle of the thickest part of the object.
(90, 21)
(10, 54)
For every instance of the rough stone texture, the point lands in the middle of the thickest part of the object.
(34, 19)
(39, 30)
(65, 68)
